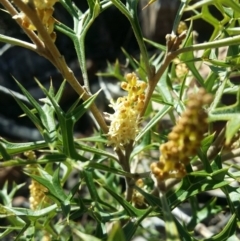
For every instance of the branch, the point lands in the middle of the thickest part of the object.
(173, 43)
(34, 38)
(210, 45)
(48, 49)
(125, 164)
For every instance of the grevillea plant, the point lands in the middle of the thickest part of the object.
(131, 171)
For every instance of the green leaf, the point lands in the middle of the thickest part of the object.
(51, 183)
(67, 121)
(133, 62)
(170, 226)
(36, 105)
(58, 186)
(228, 230)
(209, 208)
(7, 197)
(88, 177)
(108, 169)
(131, 13)
(116, 233)
(153, 121)
(71, 8)
(233, 195)
(31, 115)
(144, 145)
(4, 152)
(206, 143)
(132, 225)
(81, 27)
(7, 231)
(45, 122)
(152, 200)
(95, 151)
(188, 189)
(231, 114)
(156, 45)
(80, 110)
(220, 174)
(218, 94)
(113, 71)
(16, 148)
(129, 229)
(53, 157)
(184, 57)
(185, 236)
(164, 87)
(26, 214)
(210, 81)
(130, 210)
(95, 138)
(84, 236)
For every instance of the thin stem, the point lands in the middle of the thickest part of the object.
(173, 43)
(129, 181)
(235, 40)
(125, 164)
(17, 42)
(153, 82)
(21, 162)
(80, 50)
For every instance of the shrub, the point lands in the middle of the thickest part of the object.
(162, 169)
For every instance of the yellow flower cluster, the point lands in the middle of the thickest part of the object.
(125, 120)
(37, 194)
(37, 191)
(183, 140)
(46, 237)
(181, 69)
(44, 10)
(137, 198)
(182, 26)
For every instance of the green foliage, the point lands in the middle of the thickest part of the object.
(96, 207)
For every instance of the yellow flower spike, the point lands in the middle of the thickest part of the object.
(184, 139)
(37, 191)
(125, 120)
